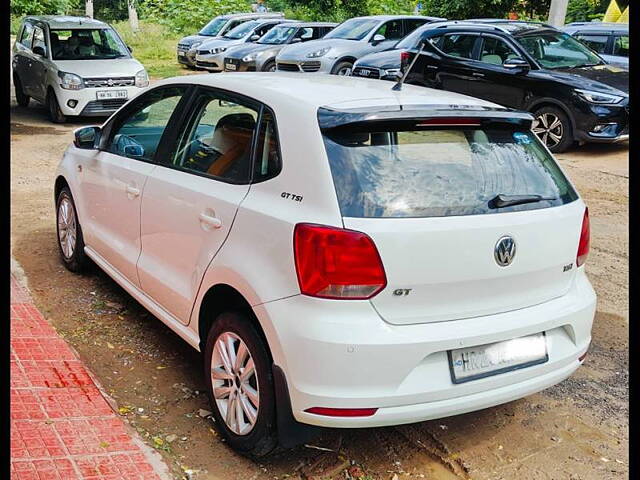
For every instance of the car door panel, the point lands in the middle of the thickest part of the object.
(456, 72)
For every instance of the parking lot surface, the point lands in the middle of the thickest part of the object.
(575, 430)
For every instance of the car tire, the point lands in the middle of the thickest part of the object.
(269, 66)
(553, 127)
(69, 233)
(53, 107)
(342, 68)
(232, 330)
(21, 98)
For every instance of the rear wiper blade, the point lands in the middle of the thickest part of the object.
(501, 200)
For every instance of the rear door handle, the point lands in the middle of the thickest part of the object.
(477, 74)
(132, 192)
(210, 221)
(432, 67)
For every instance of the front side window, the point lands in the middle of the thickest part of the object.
(411, 25)
(213, 28)
(38, 40)
(27, 35)
(597, 43)
(87, 44)
(218, 138)
(241, 30)
(137, 135)
(621, 46)
(496, 51)
(459, 45)
(558, 50)
(412, 171)
(391, 30)
(354, 29)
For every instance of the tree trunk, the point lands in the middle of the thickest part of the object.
(88, 8)
(133, 15)
(558, 12)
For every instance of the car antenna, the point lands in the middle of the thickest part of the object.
(403, 77)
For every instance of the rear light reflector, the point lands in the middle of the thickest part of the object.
(337, 263)
(585, 234)
(342, 412)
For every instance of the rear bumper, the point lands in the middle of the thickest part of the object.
(343, 355)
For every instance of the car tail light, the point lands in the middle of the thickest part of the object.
(337, 263)
(404, 57)
(342, 412)
(585, 234)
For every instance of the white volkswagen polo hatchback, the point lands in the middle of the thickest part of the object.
(342, 254)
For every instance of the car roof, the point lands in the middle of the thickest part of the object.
(67, 21)
(284, 90)
(508, 27)
(391, 17)
(251, 15)
(598, 26)
(314, 24)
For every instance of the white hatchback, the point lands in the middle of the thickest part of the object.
(343, 255)
(76, 66)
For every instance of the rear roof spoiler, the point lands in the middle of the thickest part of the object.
(329, 117)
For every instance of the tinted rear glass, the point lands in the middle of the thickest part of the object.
(427, 172)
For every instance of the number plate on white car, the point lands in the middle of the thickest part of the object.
(230, 66)
(472, 363)
(111, 94)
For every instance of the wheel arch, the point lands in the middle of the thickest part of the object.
(346, 58)
(552, 102)
(60, 183)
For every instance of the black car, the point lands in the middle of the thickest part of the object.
(573, 94)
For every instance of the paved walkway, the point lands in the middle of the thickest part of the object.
(61, 425)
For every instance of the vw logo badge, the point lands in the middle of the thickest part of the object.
(504, 251)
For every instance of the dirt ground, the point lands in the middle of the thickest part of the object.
(575, 430)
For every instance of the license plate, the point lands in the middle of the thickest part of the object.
(111, 94)
(472, 363)
(181, 54)
(230, 66)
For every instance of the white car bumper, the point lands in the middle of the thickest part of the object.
(88, 104)
(341, 354)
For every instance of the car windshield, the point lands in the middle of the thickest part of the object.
(241, 30)
(213, 28)
(354, 29)
(413, 171)
(277, 35)
(87, 44)
(558, 50)
(411, 40)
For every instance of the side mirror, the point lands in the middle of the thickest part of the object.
(130, 49)
(377, 38)
(296, 40)
(135, 151)
(254, 37)
(516, 64)
(39, 51)
(87, 138)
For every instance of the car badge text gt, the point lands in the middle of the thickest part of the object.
(505, 251)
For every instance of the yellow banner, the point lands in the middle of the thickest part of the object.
(613, 12)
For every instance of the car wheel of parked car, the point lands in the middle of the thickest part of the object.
(55, 114)
(269, 67)
(240, 385)
(342, 68)
(21, 97)
(70, 240)
(552, 126)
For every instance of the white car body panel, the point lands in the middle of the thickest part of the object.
(340, 353)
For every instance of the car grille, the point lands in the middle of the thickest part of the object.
(288, 67)
(108, 82)
(103, 106)
(206, 64)
(366, 72)
(310, 66)
(183, 47)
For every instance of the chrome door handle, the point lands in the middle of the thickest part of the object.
(477, 74)
(132, 192)
(210, 220)
(432, 67)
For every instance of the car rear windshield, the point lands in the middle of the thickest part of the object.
(427, 172)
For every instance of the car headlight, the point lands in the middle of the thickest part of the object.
(599, 97)
(71, 81)
(391, 72)
(318, 53)
(218, 49)
(249, 58)
(142, 79)
(194, 45)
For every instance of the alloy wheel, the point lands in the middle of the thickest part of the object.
(345, 71)
(67, 230)
(235, 383)
(549, 128)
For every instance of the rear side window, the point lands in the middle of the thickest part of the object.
(621, 46)
(597, 43)
(427, 172)
(267, 162)
(458, 45)
(27, 35)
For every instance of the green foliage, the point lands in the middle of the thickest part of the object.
(388, 7)
(326, 10)
(41, 7)
(585, 10)
(15, 22)
(182, 16)
(461, 9)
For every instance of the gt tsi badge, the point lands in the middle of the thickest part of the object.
(504, 251)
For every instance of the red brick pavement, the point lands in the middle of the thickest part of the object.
(62, 428)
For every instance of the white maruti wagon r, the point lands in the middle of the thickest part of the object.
(344, 255)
